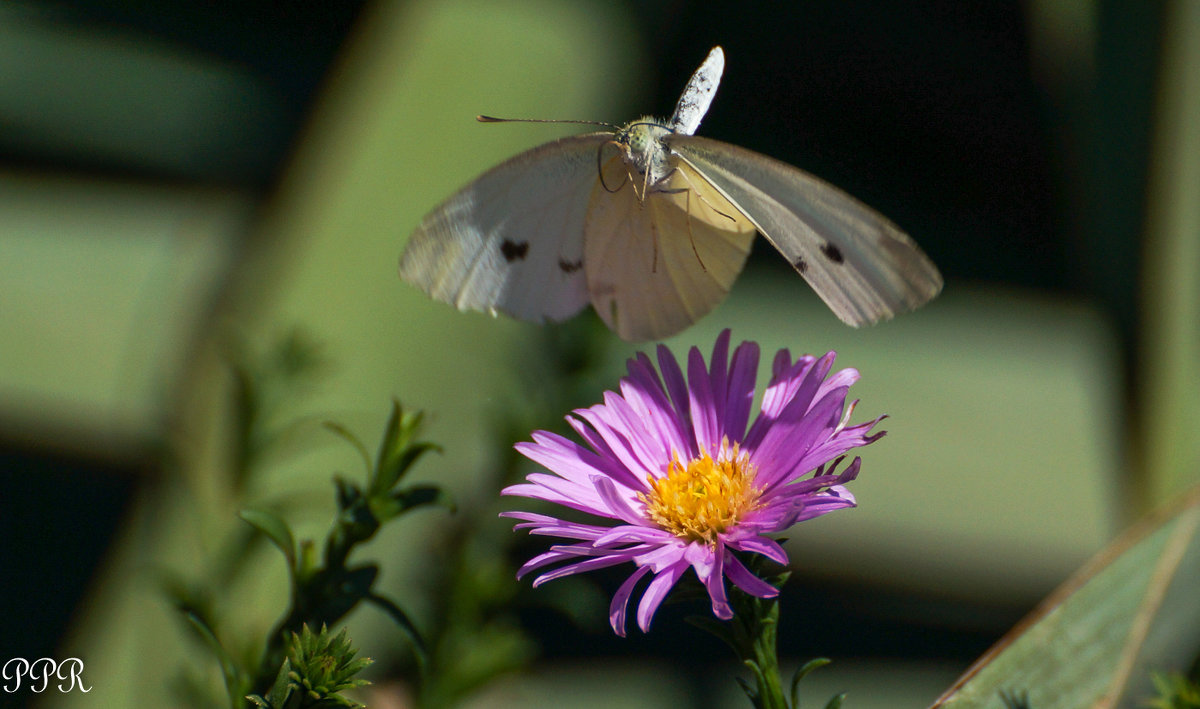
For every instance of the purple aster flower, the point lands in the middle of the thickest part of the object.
(681, 482)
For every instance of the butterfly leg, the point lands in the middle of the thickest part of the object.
(689, 188)
(691, 237)
(689, 191)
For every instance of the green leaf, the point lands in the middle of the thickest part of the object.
(813, 664)
(229, 669)
(750, 690)
(394, 467)
(399, 449)
(755, 693)
(1174, 691)
(420, 648)
(1094, 641)
(401, 501)
(276, 530)
(324, 665)
(345, 434)
(280, 691)
(718, 628)
(348, 493)
(395, 438)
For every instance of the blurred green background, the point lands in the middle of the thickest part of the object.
(173, 175)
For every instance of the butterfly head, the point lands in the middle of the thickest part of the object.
(644, 152)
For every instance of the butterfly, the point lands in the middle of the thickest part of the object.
(652, 224)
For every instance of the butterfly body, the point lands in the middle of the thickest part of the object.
(661, 248)
(643, 150)
(651, 225)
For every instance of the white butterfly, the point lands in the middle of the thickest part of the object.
(652, 224)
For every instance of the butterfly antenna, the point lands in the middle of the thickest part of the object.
(493, 119)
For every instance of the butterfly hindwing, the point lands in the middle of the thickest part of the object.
(512, 240)
(862, 265)
(657, 264)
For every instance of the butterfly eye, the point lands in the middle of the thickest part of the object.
(639, 138)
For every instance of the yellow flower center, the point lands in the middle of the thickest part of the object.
(705, 497)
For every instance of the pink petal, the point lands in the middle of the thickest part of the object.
(709, 566)
(748, 582)
(718, 372)
(658, 589)
(764, 546)
(739, 392)
(663, 556)
(590, 564)
(704, 418)
(617, 505)
(792, 435)
(651, 450)
(650, 402)
(620, 601)
(677, 389)
(616, 440)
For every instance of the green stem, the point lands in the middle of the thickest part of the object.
(755, 623)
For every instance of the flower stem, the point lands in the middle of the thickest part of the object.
(755, 623)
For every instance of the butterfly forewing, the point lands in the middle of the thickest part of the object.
(697, 96)
(512, 240)
(863, 266)
(658, 264)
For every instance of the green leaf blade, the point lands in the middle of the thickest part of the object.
(275, 529)
(1094, 642)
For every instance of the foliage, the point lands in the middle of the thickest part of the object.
(751, 634)
(1175, 692)
(325, 585)
(317, 669)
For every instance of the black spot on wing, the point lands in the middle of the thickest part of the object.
(514, 250)
(570, 266)
(832, 252)
(800, 265)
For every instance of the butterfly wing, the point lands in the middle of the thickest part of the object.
(656, 265)
(512, 240)
(861, 264)
(698, 94)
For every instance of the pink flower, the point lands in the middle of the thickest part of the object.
(680, 482)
